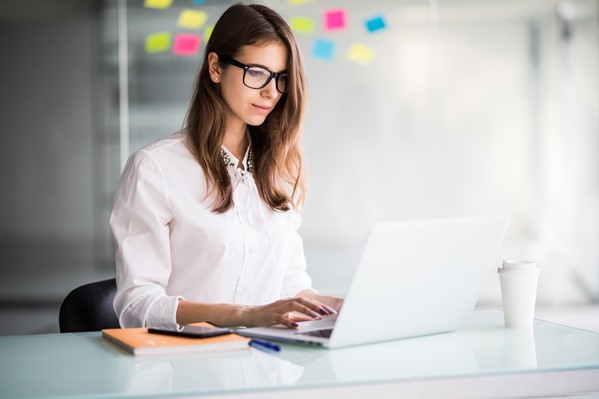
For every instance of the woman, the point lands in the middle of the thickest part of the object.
(205, 220)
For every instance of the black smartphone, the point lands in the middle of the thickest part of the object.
(192, 331)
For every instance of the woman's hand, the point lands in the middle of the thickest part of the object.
(287, 312)
(307, 305)
(334, 302)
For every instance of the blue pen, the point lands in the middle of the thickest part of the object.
(264, 345)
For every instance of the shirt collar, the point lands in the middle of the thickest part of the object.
(233, 161)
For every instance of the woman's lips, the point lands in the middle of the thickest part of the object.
(265, 109)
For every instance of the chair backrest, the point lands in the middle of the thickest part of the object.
(89, 308)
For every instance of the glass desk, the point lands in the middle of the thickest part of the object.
(484, 359)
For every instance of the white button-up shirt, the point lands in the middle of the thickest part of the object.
(171, 245)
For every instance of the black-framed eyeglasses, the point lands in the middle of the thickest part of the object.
(257, 77)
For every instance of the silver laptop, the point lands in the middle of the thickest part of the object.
(414, 277)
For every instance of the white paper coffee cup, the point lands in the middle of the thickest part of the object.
(519, 279)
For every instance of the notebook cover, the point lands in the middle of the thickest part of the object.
(140, 342)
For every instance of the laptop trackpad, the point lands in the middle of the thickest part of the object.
(322, 324)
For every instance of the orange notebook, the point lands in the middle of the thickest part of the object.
(140, 342)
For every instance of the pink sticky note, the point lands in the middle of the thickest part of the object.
(334, 19)
(186, 44)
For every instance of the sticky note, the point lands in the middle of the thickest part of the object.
(360, 53)
(198, 1)
(192, 19)
(299, 2)
(302, 25)
(186, 44)
(158, 42)
(208, 32)
(160, 4)
(323, 48)
(334, 19)
(375, 23)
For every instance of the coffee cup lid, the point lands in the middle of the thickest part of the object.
(520, 266)
(517, 264)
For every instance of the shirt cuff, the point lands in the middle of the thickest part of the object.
(162, 313)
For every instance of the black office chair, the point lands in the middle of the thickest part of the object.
(89, 308)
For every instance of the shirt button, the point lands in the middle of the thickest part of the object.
(251, 250)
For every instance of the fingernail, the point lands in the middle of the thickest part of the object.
(315, 315)
(323, 311)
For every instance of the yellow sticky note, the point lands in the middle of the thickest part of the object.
(192, 19)
(299, 2)
(158, 42)
(360, 53)
(160, 4)
(208, 32)
(302, 25)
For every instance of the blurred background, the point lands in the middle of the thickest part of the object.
(417, 109)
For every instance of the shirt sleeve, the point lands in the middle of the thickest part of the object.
(296, 278)
(139, 223)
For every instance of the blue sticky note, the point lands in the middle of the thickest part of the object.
(323, 48)
(375, 23)
(198, 1)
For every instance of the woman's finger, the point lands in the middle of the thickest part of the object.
(303, 308)
(298, 317)
(317, 306)
(289, 312)
(287, 321)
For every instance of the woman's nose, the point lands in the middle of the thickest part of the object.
(270, 90)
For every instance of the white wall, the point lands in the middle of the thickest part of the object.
(477, 107)
(471, 108)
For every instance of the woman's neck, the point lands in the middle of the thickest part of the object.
(236, 141)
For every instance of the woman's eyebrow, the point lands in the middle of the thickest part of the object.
(264, 66)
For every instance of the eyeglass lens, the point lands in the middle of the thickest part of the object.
(256, 78)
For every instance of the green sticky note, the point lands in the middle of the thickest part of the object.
(192, 19)
(208, 32)
(160, 4)
(158, 42)
(360, 53)
(302, 25)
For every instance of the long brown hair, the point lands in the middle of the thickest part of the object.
(275, 143)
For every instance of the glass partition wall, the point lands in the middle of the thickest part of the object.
(417, 109)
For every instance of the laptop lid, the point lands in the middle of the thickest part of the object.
(414, 277)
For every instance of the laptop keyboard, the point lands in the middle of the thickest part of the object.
(326, 333)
